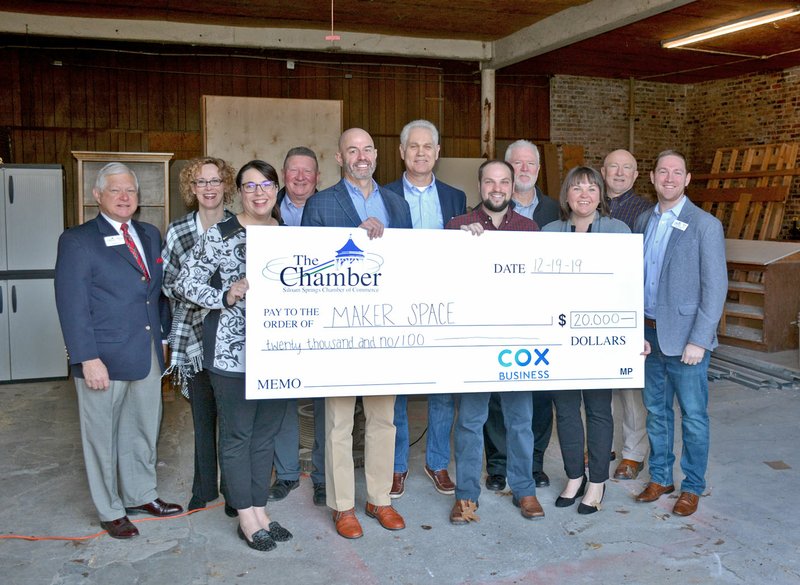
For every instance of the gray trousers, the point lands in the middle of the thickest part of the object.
(119, 432)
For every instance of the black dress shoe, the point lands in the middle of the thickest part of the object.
(281, 488)
(541, 479)
(261, 540)
(586, 509)
(566, 502)
(278, 533)
(496, 483)
(157, 507)
(230, 511)
(320, 495)
(121, 528)
(195, 504)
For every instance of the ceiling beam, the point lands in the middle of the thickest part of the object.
(573, 25)
(154, 31)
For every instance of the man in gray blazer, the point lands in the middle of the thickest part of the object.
(433, 203)
(357, 201)
(685, 284)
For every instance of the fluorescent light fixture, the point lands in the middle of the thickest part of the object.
(731, 27)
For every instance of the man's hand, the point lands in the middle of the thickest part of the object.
(647, 348)
(692, 354)
(373, 226)
(475, 229)
(237, 291)
(95, 374)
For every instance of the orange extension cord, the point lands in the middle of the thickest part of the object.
(102, 532)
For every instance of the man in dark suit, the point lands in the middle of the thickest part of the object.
(432, 205)
(530, 202)
(685, 285)
(357, 201)
(114, 320)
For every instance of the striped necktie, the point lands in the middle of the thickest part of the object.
(134, 250)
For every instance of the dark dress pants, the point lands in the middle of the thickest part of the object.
(599, 431)
(204, 416)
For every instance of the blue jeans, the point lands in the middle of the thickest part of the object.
(473, 410)
(665, 378)
(441, 411)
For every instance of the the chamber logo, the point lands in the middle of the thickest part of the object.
(349, 267)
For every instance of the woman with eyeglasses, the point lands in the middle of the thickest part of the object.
(206, 185)
(213, 277)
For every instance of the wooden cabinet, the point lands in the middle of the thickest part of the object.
(763, 300)
(152, 172)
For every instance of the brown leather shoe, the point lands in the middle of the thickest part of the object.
(463, 512)
(441, 481)
(387, 516)
(398, 485)
(121, 528)
(157, 507)
(347, 525)
(653, 491)
(628, 469)
(686, 504)
(529, 507)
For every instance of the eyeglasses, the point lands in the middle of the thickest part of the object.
(202, 183)
(251, 187)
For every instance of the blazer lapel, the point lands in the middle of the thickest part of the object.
(106, 229)
(685, 216)
(343, 197)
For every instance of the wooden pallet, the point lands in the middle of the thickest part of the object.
(747, 189)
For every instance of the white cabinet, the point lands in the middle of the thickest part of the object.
(31, 219)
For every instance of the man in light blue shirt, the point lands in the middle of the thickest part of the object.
(685, 285)
(432, 204)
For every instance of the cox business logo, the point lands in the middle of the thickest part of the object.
(350, 267)
(522, 363)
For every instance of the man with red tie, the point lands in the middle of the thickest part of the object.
(114, 320)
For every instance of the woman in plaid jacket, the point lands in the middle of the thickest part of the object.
(206, 185)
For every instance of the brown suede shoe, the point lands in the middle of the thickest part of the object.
(628, 469)
(441, 481)
(387, 516)
(463, 512)
(529, 507)
(347, 524)
(398, 485)
(686, 504)
(653, 491)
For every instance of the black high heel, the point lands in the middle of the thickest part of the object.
(567, 502)
(586, 509)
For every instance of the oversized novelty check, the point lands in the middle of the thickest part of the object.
(333, 313)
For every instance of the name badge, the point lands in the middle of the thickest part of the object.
(114, 240)
(678, 224)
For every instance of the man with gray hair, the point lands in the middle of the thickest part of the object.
(432, 203)
(115, 321)
(529, 202)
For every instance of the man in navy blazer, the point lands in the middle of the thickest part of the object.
(114, 320)
(357, 201)
(432, 205)
(685, 285)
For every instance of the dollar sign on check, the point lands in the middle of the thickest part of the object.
(562, 319)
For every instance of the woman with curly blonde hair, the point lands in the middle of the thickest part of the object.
(206, 185)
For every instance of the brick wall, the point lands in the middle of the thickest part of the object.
(696, 119)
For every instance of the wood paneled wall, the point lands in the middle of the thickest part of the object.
(56, 100)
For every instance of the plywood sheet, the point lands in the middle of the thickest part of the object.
(758, 252)
(240, 129)
(463, 174)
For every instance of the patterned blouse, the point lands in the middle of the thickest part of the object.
(222, 257)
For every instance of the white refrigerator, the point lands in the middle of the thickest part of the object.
(31, 220)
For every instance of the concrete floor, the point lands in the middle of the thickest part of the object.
(745, 530)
